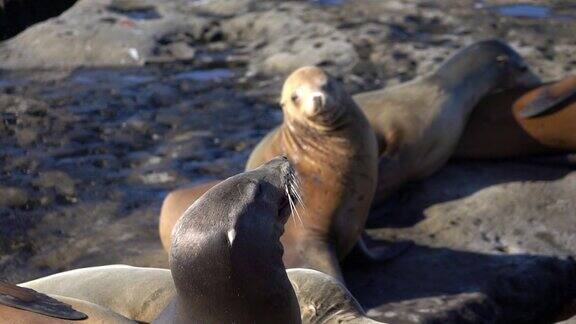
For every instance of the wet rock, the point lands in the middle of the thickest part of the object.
(26, 136)
(181, 51)
(57, 180)
(13, 197)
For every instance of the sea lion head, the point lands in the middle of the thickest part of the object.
(510, 66)
(313, 97)
(226, 256)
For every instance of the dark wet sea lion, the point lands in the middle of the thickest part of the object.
(330, 143)
(521, 122)
(418, 123)
(174, 205)
(226, 259)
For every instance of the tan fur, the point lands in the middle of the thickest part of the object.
(416, 133)
(96, 314)
(418, 123)
(136, 293)
(337, 168)
(328, 297)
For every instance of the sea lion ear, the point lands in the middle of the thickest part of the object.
(391, 142)
(33, 301)
(549, 97)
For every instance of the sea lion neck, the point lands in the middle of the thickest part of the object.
(469, 74)
(226, 257)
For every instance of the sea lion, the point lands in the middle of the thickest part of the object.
(226, 263)
(522, 122)
(174, 205)
(321, 298)
(25, 306)
(226, 259)
(324, 299)
(136, 293)
(332, 147)
(418, 123)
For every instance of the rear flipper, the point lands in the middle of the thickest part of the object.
(362, 253)
(33, 301)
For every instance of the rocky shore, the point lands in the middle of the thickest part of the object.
(113, 103)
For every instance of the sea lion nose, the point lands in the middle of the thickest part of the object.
(318, 99)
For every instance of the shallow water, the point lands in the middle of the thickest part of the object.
(524, 10)
(204, 75)
(329, 2)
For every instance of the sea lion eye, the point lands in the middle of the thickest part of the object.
(294, 98)
(502, 59)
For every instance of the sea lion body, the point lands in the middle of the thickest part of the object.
(418, 124)
(336, 162)
(174, 205)
(96, 315)
(20, 305)
(226, 259)
(497, 129)
(321, 298)
(133, 292)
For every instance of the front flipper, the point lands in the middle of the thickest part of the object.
(364, 254)
(549, 97)
(33, 301)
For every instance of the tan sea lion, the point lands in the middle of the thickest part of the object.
(521, 122)
(329, 140)
(136, 293)
(226, 263)
(418, 123)
(25, 306)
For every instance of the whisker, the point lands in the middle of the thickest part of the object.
(290, 203)
(294, 186)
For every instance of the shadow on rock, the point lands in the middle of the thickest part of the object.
(459, 180)
(440, 285)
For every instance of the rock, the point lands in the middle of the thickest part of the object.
(26, 136)
(286, 42)
(103, 33)
(181, 51)
(57, 180)
(501, 231)
(13, 197)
